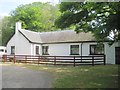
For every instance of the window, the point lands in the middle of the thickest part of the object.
(74, 49)
(37, 50)
(5, 51)
(45, 50)
(96, 49)
(12, 49)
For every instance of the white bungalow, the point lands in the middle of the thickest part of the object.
(59, 43)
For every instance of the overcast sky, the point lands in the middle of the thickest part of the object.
(6, 6)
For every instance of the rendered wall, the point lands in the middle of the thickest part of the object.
(22, 45)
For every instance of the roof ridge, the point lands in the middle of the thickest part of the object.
(56, 31)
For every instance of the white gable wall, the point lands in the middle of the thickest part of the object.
(22, 45)
(110, 53)
(9, 44)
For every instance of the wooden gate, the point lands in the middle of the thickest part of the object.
(117, 55)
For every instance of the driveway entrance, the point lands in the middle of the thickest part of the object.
(19, 77)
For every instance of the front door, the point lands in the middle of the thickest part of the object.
(117, 55)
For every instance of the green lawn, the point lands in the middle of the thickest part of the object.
(98, 76)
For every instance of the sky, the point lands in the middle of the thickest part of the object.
(6, 6)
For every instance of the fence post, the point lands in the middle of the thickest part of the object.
(104, 59)
(14, 59)
(92, 60)
(4, 58)
(38, 59)
(74, 61)
(26, 59)
(81, 58)
(54, 60)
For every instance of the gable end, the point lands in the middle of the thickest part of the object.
(24, 36)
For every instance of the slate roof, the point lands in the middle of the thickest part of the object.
(57, 36)
(31, 36)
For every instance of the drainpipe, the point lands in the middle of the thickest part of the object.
(81, 51)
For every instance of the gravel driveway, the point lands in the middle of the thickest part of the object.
(20, 77)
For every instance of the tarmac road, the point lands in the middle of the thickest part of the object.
(19, 77)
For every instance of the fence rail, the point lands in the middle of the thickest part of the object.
(56, 60)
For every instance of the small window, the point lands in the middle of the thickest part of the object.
(12, 49)
(74, 49)
(5, 51)
(1, 50)
(96, 49)
(37, 50)
(45, 50)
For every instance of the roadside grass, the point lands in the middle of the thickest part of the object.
(98, 76)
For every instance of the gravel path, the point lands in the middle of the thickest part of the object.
(20, 77)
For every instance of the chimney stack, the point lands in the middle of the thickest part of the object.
(18, 26)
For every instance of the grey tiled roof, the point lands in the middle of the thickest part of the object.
(57, 36)
(31, 36)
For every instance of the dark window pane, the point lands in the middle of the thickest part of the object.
(1, 50)
(45, 50)
(12, 49)
(74, 49)
(37, 50)
(96, 49)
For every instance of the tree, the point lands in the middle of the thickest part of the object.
(36, 16)
(0, 31)
(100, 18)
(7, 29)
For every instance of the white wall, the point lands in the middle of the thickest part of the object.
(110, 53)
(57, 49)
(9, 44)
(22, 45)
(63, 49)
